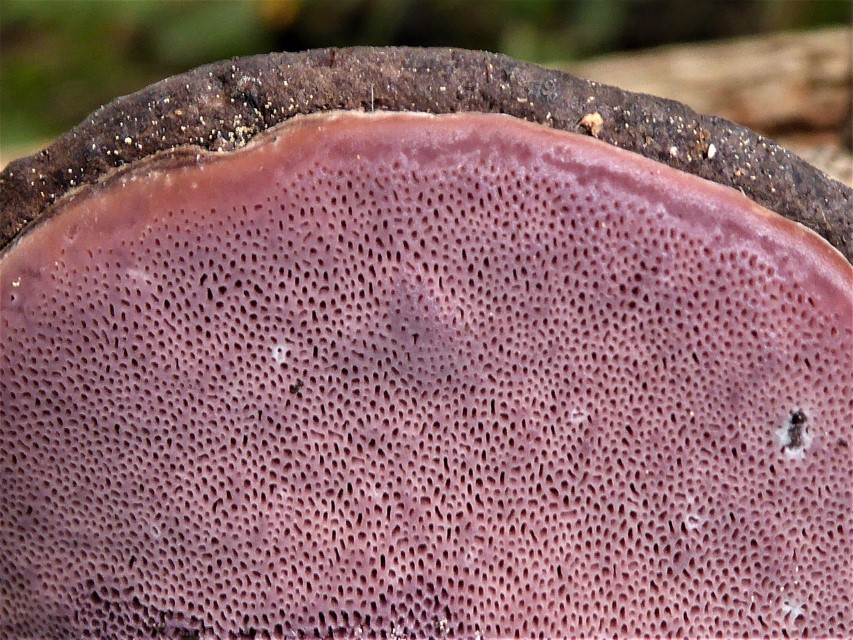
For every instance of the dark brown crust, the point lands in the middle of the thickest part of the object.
(223, 105)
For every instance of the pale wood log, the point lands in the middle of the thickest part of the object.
(800, 80)
(796, 88)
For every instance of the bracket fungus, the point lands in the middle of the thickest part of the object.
(419, 374)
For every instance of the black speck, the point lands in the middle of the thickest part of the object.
(796, 427)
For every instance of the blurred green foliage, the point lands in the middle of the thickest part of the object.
(60, 59)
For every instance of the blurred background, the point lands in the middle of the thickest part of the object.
(782, 67)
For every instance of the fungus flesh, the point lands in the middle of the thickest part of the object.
(420, 375)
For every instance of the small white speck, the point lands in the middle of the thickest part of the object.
(280, 353)
(673, 151)
(128, 140)
(693, 521)
(577, 417)
(793, 610)
(16, 283)
(712, 151)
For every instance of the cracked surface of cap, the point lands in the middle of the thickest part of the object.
(424, 376)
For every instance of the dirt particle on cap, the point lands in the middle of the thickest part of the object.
(592, 122)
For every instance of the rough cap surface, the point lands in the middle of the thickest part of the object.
(221, 106)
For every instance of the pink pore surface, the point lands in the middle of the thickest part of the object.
(424, 376)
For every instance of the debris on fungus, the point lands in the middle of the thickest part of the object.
(405, 375)
(592, 123)
(794, 436)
